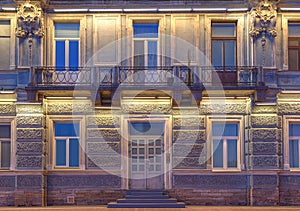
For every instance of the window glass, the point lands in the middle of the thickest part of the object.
(5, 131)
(73, 53)
(232, 153)
(294, 153)
(74, 153)
(230, 52)
(67, 30)
(217, 54)
(61, 149)
(60, 54)
(223, 30)
(145, 30)
(67, 129)
(5, 154)
(225, 129)
(218, 154)
(5, 45)
(294, 29)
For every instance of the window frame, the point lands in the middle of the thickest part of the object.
(12, 123)
(52, 145)
(293, 38)
(287, 121)
(240, 143)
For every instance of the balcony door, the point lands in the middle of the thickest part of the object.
(145, 52)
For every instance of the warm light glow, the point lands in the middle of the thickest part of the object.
(105, 10)
(141, 10)
(175, 9)
(290, 9)
(237, 9)
(209, 9)
(8, 8)
(70, 10)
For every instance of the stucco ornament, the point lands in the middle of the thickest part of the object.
(263, 19)
(30, 20)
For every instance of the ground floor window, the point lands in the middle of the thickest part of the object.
(5, 145)
(294, 144)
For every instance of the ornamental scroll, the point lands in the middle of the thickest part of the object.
(263, 19)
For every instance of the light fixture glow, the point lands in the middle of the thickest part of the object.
(70, 10)
(290, 9)
(140, 10)
(105, 10)
(237, 9)
(8, 8)
(175, 9)
(209, 9)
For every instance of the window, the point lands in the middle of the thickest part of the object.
(145, 44)
(223, 43)
(294, 141)
(5, 145)
(225, 141)
(66, 38)
(294, 46)
(67, 144)
(5, 45)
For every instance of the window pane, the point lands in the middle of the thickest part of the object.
(223, 30)
(225, 129)
(73, 53)
(152, 53)
(294, 129)
(4, 131)
(67, 30)
(60, 153)
(230, 53)
(5, 154)
(74, 153)
(218, 153)
(294, 29)
(294, 153)
(293, 43)
(4, 28)
(60, 54)
(141, 30)
(5, 53)
(232, 153)
(217, 55)
(293, 59)
(139, 59)
(66, 129)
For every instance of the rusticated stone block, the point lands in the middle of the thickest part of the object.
(146, 108)
(181, 111)
(29, 162)
(105, 161)
(265, 134)
(110, 112)
(224, 108)
(289, 108)
(189, 162)
(69, 108)
(64, 182)
(7, 109)
(96, 147)
(189, 135)
(29, 181)
(264, 149)
(29, 147)
(29, 109)
(28, 198)
(265, 162)
(29, 121)
(188, 149)
(265, 181)
(104, 120)
(265, 197)
(264, 121)
(106, 134)
(7, 198)
(7, 182)
(290, 182)
(279, 122)
(264, 109)
(188, 121)
(29, 133)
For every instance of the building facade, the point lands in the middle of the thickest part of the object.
(198, 98)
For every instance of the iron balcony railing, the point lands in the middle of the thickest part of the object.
(154, 76)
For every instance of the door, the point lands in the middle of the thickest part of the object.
(146, 162)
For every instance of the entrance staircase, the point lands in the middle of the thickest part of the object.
(146, 199)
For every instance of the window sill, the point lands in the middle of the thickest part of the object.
(226, 170)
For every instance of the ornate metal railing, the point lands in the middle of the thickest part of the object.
(127, 75)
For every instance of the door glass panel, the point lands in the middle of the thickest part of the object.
(73, 53)
(139, 57)
(60, 53)
(217, 55)
(152, 53)
(230, 53)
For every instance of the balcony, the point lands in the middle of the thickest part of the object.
(166, 76)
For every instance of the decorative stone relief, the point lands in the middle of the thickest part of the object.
(29, 121)
(104, 120)
(264, 148)
(232, 108)
(29, 108)
(263, 19)
(289, 108)
(184, 111)
(26, 181)
(30, 20)
(264, 121)
(7, 181)
(68, 108)
(187, 149)
(264, 134)
(264, 109)
(105, 161)
(29, 147)
(7, 109)
(188, 163)
(29, 162)
(29, 133)
(189, 121)
(265, 162)
(263, 180)
(95, 147)
(106, 134)
(146, 108)
(191, 135)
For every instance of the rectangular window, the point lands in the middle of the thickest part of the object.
(294, 137)
(223, 49)
(5, 45)
(5, 145)
(67, 144)
(67, 37)
(225, 145)
(294, 46)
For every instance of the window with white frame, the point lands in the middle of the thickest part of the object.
(294, 46)
(5, 145)
(67, 39)
(225, 145)
(67, 144)
(5, 44)
(294, 144)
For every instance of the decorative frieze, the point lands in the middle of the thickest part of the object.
(29, 108)
(223, 108)
(7, 182)
(29, 162)
(107, 133)
(189, 163)
(103, 120)
(29, 133)
(187, 149)
(69, 108)
(264, 121)
(264, 109)
(146, 108)
(289, 108)
(96, 147)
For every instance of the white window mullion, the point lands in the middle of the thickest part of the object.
(67, 53)
(225, 153)
(146, 53)
(67, 152)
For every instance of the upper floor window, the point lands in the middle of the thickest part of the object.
(225, 145)
(5, 45)
(5, 145)
(294, 46)
(67, 144)
(294, 144)
(223, 49)
(145, 44)
(66, 37)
